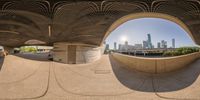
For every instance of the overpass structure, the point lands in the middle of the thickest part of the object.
(82, 23)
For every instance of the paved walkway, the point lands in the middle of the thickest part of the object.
(106, 79)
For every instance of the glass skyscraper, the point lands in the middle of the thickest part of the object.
(149, 41)
(173, 43)
(115, 45)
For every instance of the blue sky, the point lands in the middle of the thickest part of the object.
(160, 29)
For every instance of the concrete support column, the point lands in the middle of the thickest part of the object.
(76, 53)
(8, 50)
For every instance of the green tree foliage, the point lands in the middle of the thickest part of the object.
(181, 51)
(28, 49)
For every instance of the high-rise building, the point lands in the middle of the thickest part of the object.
(163, 44)
(125, 48)
(119, 47)
(173, 43)
(115, 46)
(166, 44)
(149, 37)
(158, 45)
(107, 47)
(145, 45)
(149, 41)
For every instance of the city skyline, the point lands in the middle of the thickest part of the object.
(134, 31)
(147, 44)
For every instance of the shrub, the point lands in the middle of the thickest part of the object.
(28, 49)
(181, 51)
(167, 53)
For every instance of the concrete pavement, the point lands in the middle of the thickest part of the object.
(106, 79)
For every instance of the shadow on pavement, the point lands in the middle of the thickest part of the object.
(1, 62)
(37, 57)
(145, 82)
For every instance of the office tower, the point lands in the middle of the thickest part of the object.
(163, 44)
(145, 45)
(115, 46)
(149, 41)
(126, 46)
(158, 45)
(119, 46)
(107, 47)
(173, 43)
(149, 38)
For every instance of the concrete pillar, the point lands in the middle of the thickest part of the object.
(76, 53)
(144, 53)
(8, 50)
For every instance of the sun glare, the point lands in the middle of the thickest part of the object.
(123, 38)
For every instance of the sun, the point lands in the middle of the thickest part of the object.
(123, 38)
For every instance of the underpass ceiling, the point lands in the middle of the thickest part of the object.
(84, 21)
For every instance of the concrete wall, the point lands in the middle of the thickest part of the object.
(87, 54)
(60, 53)
(156, 65)
(83, 53)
